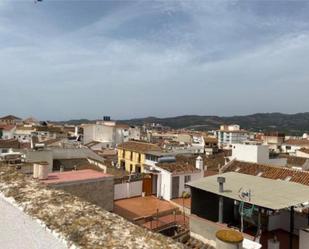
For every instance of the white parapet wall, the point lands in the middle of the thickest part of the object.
(128, 190)
(304, 238)
(18, 230)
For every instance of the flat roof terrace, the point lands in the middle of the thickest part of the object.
(75, 176)
(267, 193)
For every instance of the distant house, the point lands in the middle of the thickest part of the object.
(7, 131)
(169, 179)
(109, 133)
(303, 152)
(231, 134)
(274, 140)
(9, 144)
(255, 153)
(10, 120)
(211, 145)
(132, 155)
(292, 145)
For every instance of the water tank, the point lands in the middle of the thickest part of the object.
(199, 164)
(167, 159)
(43, 171)
(35, 170)
(229, 239)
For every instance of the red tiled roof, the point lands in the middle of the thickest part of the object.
(299, 142)
(267, 171)
(7, 127)
(304, 150)
(141, 147)
(9, 144)
(178, 167)
(10, 117)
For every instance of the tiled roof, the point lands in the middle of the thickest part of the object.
(304, 150)
(299, 142)
(270, 172)
(7, 127)
(141, 147)
(10, 117)
(178, 167)
(296, 161)
(9, 143)
(49, 129)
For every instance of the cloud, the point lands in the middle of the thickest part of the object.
(160, 58)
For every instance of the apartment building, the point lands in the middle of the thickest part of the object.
(231, 134)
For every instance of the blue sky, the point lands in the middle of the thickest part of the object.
(73, 59)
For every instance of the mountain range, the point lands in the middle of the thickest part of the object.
(292, 124)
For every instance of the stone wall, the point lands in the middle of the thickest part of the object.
(99, 192)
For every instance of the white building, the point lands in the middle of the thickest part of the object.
(109, 133)
(255, 153)
(170, 178)
(8, 131)
(231, 134)
(292, 145)
(24, 133)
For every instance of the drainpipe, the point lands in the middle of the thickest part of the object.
(291, 227)
(221, 181)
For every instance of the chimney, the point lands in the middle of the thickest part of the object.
(221, 181)
(199, 163)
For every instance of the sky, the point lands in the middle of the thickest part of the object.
(69, 59)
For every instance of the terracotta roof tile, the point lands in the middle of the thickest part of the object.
(141, 147)
(300, 142)
(270, 172)
(178, 167)
(9, 143)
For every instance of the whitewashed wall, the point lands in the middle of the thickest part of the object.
(303, 239)
(282, 221)
(128, 189)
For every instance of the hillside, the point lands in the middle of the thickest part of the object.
(289, 123)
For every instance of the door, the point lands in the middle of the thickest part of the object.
(175, 187)
(147, 186)
(154, 184)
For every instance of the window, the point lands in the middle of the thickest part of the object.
(187, 179)
(131, 168)
(137, 169)
(131, 156)
(123, 154)
(139, 157)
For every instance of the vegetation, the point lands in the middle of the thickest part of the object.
(291, 124)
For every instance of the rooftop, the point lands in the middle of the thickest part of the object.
(7, 127)
(178, 167)
(10, 143)
(141, 147)
(78, 222)
(283, 194)
(74, 176)
(304, 150)
(267, 171)
(298, 142)
(10, 117)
